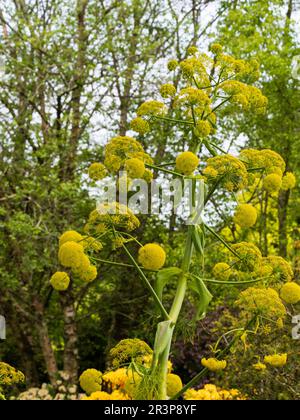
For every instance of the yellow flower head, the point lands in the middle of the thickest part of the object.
(172, 65)
(97, 171)
(9, 375)
(216, 49)
(213, 364)
(70, 254)
(276, 360)
(290, 293)
(152, 257)
(117, 378)
(60, 281)
(192, 96)
(250, 256)
(222, 271)
(280, 268)
(88, 275)
(245, 215)
(192, 50)
(135, 168)
(288, 181)
(174, 384)
(140, 125)
(152, 108)
(128, 350)
(272, 183)
(168, 90)
(231, 171)
(70, 236)
(98, 396)
(259, 366)
(90, 380)
(265, 302)
(186, 163)
(203, 129)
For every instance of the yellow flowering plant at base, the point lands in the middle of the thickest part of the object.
(135, 370)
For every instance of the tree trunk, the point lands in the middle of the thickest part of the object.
(283, 202)
(45, 343)
(70, 338)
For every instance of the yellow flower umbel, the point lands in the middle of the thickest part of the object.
(245, 215)
(276, 360)
(97, 171)
(172, 65)
(230, 170)
(168, 90)
(280, 268)
(186, 163)
(128, 350)
(152, 108)
(60, 281)
(222, 271)
(70, 236)
(259, 366)
(250, 256)
(9, 375)
(91, 380)
(88, 275)
(288, 181)
(98, 396)
(135, 168)
(174, 384)
(152, 257)
(265, 302)
(213, 364)
(70, 254)
(272, 183)
(290, 293)
(212, 393)
(203, 129)
(140, 125)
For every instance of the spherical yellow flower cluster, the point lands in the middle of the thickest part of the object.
(213, 364)
(187, 162)
(111, 215)
(222, 271)
(172, 65)
(272, 183)
(265, 302)
(250, 256)
(279, 268)
(116, 378)
(60, 281)
(230, 170)
(174, 384)
(192, 96)
(152, 108)
(246, 96)
(152, 257)
(290, 293)
(140, 125)
(97, 171)
(9, 375)
(192, 50)
(216, 49)
(105, 396)
(121, 148)
(128, 350)
(91, 380)
(212, 393)
(168, 90)
(70, 236)
(276, 360)
(135, 168)
(288, 181)
(245, 215)
(203, 129)
(71, 254)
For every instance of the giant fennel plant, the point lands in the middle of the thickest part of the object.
(210, 85)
